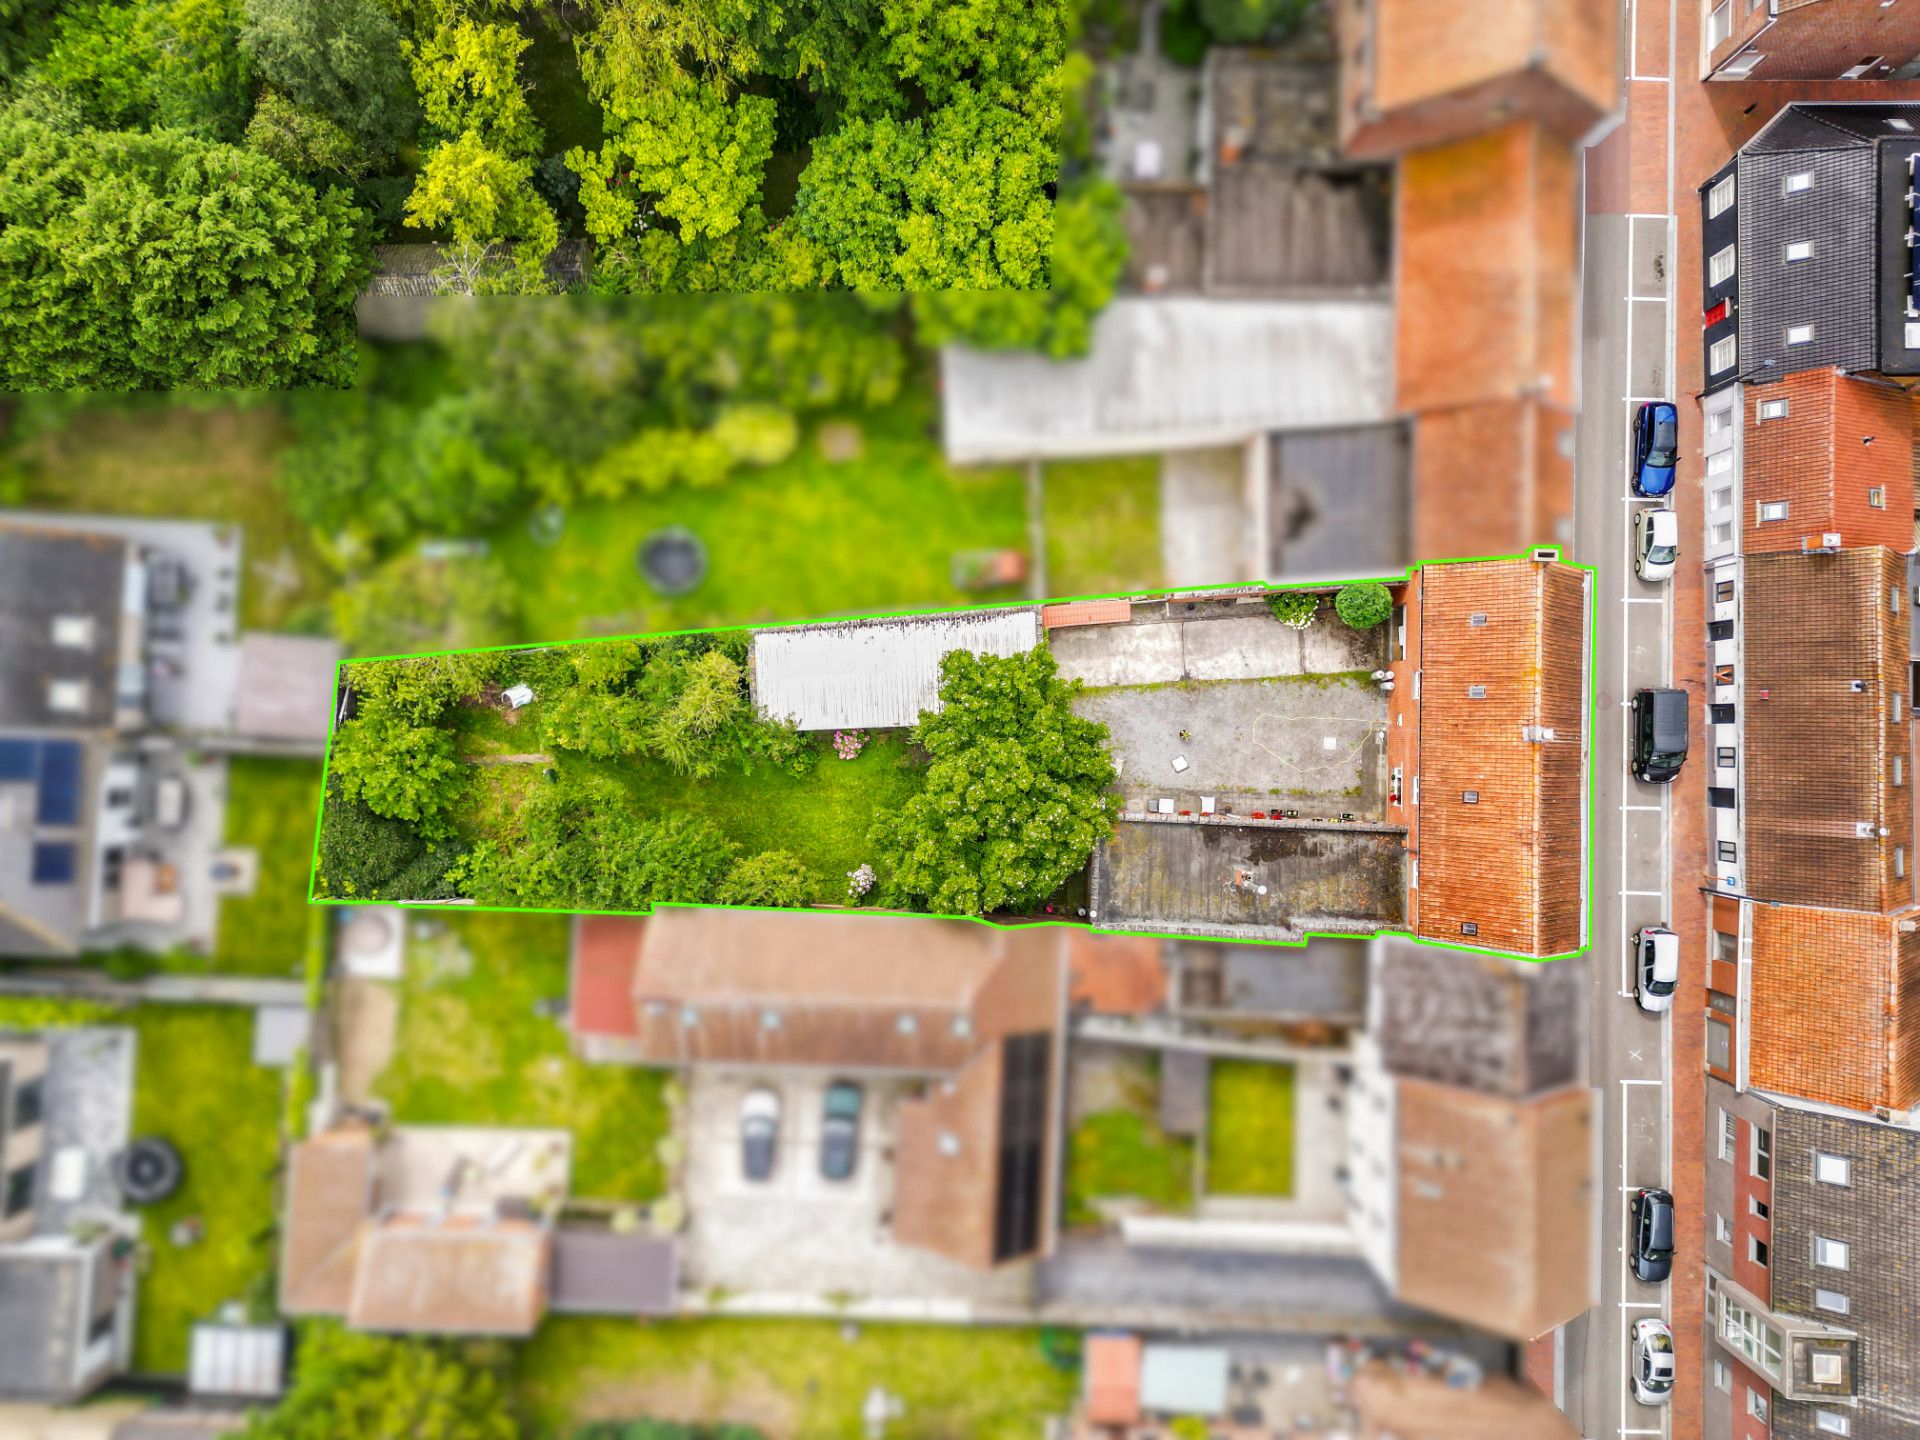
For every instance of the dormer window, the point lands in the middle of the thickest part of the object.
(73, 632)
(67, 697)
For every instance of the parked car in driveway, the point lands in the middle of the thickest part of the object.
(1652, 1235)
(759, 1132)
(1656, 445)
(1656, 967)
(1651, 1360)
(1656, 544)
(1659, 731)
(840, 1130)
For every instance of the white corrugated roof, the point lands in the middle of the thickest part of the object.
(875, 674)
(1173, 374)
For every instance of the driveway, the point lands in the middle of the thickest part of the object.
(797, 1236)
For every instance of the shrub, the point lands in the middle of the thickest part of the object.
(773, 877)
(1364, 605)
(1294, 607)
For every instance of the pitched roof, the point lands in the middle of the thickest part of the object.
(1502, 719)
(1117, 974)
(457, 1276)
(860, 674)
(793, 987)
(330, 1192)
(1111, 1375)
(1823, 818)
(1485, 1187)
(1835, 1008)
(1390, 1401)
(1842, 438)
(605, 953)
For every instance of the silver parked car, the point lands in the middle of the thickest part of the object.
(759, 1132)
(1652, 1362)
(1656, 544)
(1656, 967)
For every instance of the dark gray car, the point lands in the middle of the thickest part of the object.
(840, 1130)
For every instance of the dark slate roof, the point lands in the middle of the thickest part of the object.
(49, 573)
(40, 1304)
(1829, 127)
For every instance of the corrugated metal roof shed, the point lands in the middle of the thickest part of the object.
(875, 674)
(247, 1360)
(1174, 373)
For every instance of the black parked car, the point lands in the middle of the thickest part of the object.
(1659, 734)
(1652, 1234)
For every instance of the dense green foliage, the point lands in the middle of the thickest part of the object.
(1016, 795)
(1294, 607)
(664, 1430)
(1364, 605)
(337, 58)
(1090, 251)
(364, 856)
(155, 261)
(382, 1385)
(1249, 22)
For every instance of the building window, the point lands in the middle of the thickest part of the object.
(1724, 756)
(19, 1192)
(1720, 714)
(1719, 1045)
(1799, 250)
(1720, 197)
(1723, 1376)
(1832, 1300)
(1877, 498)
(1756, 1405)
(1469, 927)
(1476, 692)
(1757, 1206)
(1832, 1422)
(1772, 510)
(1797, 183)
(1720, 630)
(68, 697)
(1762, 1153)
(1770, 410)
(1832, 1169)
(1899, 770)
(73, 632)
(1726, 947)
(1726, 1134)
(1799, 334)
(1899, 862)
(29, 1103)
(1832, 1254)
(1722, 498)
(1720, 266)
(1722, 1229)
(1722, 533)
(1727, 851)
(1723, 592)
(1750, 1336)
(1861, 68)
(1721, 356)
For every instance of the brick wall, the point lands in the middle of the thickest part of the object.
(1820, 39)
(1750, 1189)
(1841, 439)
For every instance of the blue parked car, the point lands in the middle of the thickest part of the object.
(1656, 439)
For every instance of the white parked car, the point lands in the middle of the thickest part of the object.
(1656, 967)
(1651, 1360)
(1656, 544)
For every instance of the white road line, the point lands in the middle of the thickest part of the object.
(1654, 808)
(1642, 1082)
(1641, 600)
(1646, 894)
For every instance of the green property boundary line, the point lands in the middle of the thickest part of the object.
(1541, 554)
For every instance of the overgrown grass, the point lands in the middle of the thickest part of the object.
(823, 817)
(807, 538)
(1121, 1153)
(1103, 525)
(271, 804)
(1250, 1129)
(800, 1379)
(472, 1051)
(194, 1083)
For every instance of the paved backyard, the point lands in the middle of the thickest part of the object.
(798, 1238)
(1211, 640)
(1180, 878)
(1313, 744)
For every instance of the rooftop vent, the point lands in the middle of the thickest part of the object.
(1469, 927)
(1476, 692)
(1545, 555)
(1858, 687)
(1823, 543)
(1477, 618)
(1469, 797)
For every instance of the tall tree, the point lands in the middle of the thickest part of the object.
(385, 1386)
(1016, 796)
(340, 58)
(151, 262)
(486, 198)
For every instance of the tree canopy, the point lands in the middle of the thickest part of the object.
(1016, 795)
(339, 58)
(133, 261)
(348, 1383)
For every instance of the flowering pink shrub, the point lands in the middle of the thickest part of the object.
(849, 743)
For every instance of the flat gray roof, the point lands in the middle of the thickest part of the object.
(599, 1272)
(875, 674)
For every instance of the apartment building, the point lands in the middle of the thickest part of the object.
(1812, 1045)
(1810, 39)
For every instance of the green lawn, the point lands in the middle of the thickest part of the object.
(472, 1051)
(271, 804)
(1121, 1153)
(822, 817)
(1103, 525)
(196, 1084)
(1250, 1129)
(803, 539)
(797, 1379)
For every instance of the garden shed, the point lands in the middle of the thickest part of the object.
(876, 674)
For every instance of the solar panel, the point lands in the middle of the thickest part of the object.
(59, 783)
(19, 759)
(53, 864)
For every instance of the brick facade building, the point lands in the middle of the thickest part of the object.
(1809, 40)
